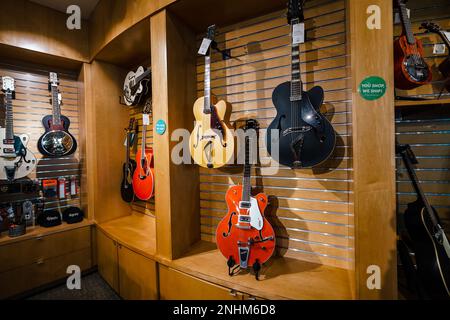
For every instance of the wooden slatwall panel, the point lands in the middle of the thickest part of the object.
(427, 128)
(138, 206)
(32, 103)
(437, 11)
(311, 210)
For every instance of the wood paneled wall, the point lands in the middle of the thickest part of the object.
(32, 103)
(436, 11)
(311, 210)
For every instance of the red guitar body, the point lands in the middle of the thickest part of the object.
(144, 177)
(228, 234)
(407, 59)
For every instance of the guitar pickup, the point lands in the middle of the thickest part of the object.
(244, 218)
(245, 205)
(296, 98)
(8, 141)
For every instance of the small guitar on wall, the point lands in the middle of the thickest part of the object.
(444, 66)
(304, 136)
(126, 187)
(410, 68)
(135, 86)
(211, 141)
(144, 176)
(16, 160)
(57, 141)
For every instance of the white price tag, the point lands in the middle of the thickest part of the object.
(125, 142)
(145, 119)
(204, 46)
(439, 48)
(397, 19)
(73, 187)
(298, 33)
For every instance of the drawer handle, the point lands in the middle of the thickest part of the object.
(40, 261)
(233, 293)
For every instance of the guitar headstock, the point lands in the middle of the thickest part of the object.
(295, 11)
(131, 125)
(400, 3)
(53, 80)
(8, 84)
(431, 27)
(147, 106)
(211, 33)
(251, 124)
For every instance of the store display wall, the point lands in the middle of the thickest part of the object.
(311, 209)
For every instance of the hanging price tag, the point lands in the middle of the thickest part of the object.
(439, 48)
(204, 46)
(125, 142)
(298, 33)
(145, 119)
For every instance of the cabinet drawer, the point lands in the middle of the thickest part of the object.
(175, 285)
(27, 252)
(42, 272)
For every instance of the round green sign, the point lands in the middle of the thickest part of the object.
(160, 127)
(372, 88)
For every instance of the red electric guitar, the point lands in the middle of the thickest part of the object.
(144, 177)
(244, 236)
(410, 68)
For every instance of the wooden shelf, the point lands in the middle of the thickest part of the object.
(136, 231)
(38, 231)
(281, 278)
(406, 103)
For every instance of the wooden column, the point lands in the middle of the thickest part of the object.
(174, 92)
(371, 53)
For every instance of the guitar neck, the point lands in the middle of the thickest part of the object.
(406, 22)
(445, 39)
(9, 134)
(143, 76)
(296, 80)
(246, 182)
(415, 181)
(56, 106)
(144, 142)
(207, 105)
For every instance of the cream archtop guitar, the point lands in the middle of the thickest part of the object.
(211, 141)
(16, 160)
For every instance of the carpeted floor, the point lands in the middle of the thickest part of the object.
(93, 287)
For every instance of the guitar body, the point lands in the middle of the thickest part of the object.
(211, 141)
(134, 97)
(228, 234)
(144, 176)
(410, 68)
(126, 187)
(317, 146)
(433, 265)
(25, 159)
(57, 141)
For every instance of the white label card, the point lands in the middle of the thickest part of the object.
(73, 186)
(204, 46)
(439, 48)
(298, 33)
(62, 189)
(125, 142)
(145, 119)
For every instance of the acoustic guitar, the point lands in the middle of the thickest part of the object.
(211, 141)
(305, 138)
(144, 176)
(430, 243)
(126, 187)
(410, 68)
(244, 236)
(444, 66)
(16, 160)
(57, 141)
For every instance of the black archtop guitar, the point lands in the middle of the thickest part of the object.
(57, 141)
(305, 138)
(126, 187)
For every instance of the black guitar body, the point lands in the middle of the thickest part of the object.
(433, 265)
(306, 138)
(126, 188)
(57, 141)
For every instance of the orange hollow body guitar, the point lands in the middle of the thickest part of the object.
(410, 68)
(144, 176)
(244, 236)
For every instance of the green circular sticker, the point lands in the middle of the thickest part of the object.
(372, 88)
(160, 127)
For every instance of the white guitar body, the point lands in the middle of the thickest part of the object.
(132, 98)
(256, 218)
(23, 165)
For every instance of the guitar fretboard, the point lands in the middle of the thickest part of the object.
(296, 80)
(207, 106)
(246, 182)
(9, 135)
(56, 106)
(406, 24)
